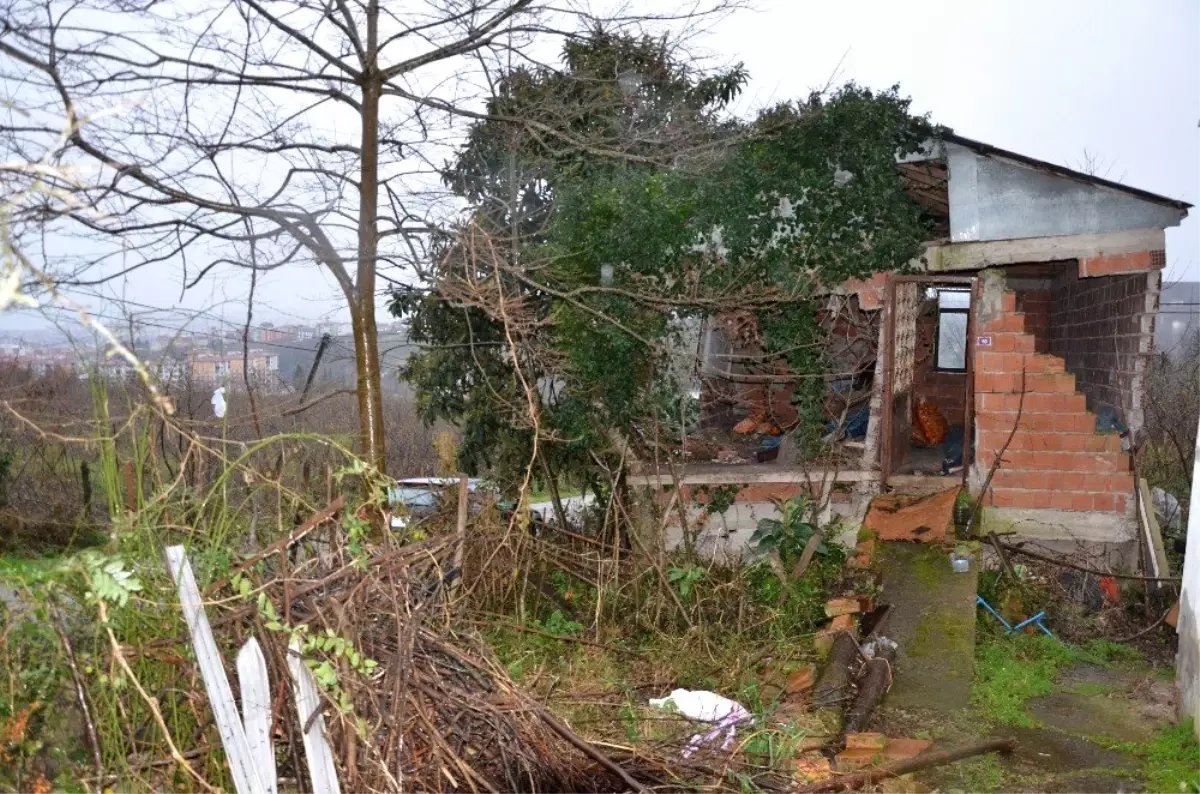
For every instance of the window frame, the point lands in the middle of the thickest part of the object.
(937, 334)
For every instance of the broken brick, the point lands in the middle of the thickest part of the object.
(866, 741)
(812, 769)
(842, 623)
(854, 759)
(1173, 616)
(904, 749)
(842, 606)
(864, 555)
(800, 680)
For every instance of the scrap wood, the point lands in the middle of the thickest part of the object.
(874, 681)
(924, 761)
(588, 749)
(833, 685)
(440, 702)
(925, 520)
(281, 544)
(1020, 549)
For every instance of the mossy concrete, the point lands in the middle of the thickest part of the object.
(933, 620)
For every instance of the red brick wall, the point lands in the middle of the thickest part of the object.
(1056, 459)
(1035, 305)
(1096, 328)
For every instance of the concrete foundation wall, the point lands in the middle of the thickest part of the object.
(1187, 661)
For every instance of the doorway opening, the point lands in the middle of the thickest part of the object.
(928, 376)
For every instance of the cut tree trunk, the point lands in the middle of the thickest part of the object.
(873, 683)
(833, 685)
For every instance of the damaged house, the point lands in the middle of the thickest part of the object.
(1035, 301)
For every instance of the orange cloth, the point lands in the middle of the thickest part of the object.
(749, 424)
(930, 421)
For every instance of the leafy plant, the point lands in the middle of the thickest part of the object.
(685, 579)
(108, 578)
(559, 625)
(614, 260)
(719, 498)
(357, 532)
(789, 534)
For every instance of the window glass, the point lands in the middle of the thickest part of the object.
(952, 340)
(954, 299)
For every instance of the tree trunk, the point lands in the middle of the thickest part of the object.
(369, 387)
(366, 338)
(873, 684)
(833, 686)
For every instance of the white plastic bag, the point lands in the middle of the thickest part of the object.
(704, 706)
(218, 402)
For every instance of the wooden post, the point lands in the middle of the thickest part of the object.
(256, 710)
(321, 769)
(464, 486)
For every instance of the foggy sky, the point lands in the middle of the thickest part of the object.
(1051, 79)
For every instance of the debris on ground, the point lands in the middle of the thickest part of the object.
(709, 707)
(921, 519)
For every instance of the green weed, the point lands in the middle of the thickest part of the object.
(1009, 670)
(1172, 760)
(982, 773)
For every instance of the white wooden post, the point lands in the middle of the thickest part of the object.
(1187, 659)
(242, 762)
(256, 711)
(308, 703)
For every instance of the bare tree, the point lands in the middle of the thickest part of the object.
(266, 133)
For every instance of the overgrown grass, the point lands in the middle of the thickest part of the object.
(1012, 669)
(1172, 760)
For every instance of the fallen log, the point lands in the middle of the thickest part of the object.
(833, 685)
(873, 683)
(924, 761)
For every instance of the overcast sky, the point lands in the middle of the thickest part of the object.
(1047, 78)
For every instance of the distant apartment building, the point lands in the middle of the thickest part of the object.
(211, 367)
(38, 361)
(269, 334)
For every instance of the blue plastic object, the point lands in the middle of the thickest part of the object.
(1036, 620)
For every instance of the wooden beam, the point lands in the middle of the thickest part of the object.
(976, 255)
(748, 475)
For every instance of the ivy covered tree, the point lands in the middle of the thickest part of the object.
(622, 104)
(554, 309)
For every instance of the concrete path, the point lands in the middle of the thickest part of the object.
(933, 620)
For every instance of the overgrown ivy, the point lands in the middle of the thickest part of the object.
(651, 210)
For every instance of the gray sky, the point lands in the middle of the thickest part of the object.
(1049, 79)
(1046, 78)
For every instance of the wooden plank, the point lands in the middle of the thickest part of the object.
(225, 712)
(1156, 550)
(748, 475)
(974, 255)
(321, 769)
(256, 710)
